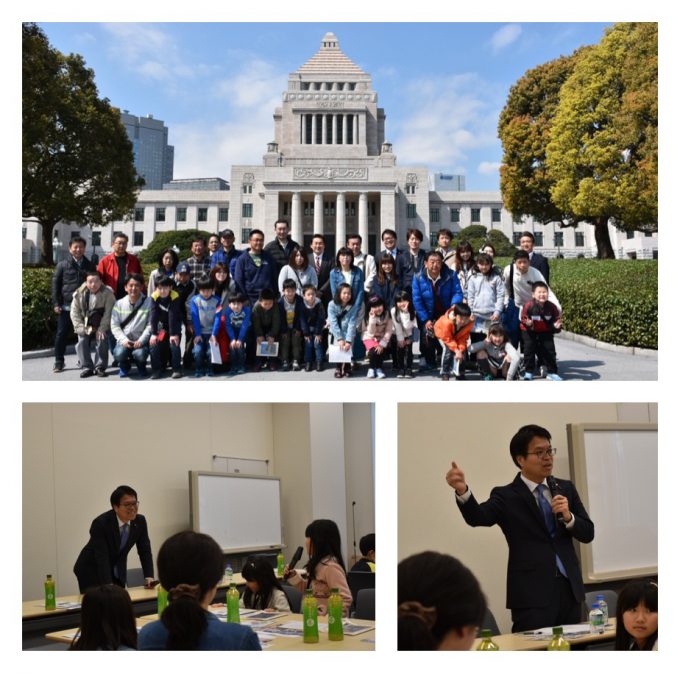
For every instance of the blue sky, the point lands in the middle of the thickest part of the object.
(216, 85)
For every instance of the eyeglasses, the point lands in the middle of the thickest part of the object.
(129, 505)
(544, 453)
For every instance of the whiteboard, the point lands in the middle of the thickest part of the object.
(241, 512)
(615, 470)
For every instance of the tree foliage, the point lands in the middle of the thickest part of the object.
(477, 236)
(77, 161)
(167, 239)
(579, 136)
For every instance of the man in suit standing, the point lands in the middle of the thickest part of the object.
(282, 246)
(103, 560)
(526, 242)
(539, 516)
(389, 239)
(322, 263)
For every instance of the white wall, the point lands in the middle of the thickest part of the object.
(477, 437)
(74, 455)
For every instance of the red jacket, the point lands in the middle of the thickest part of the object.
(542, 320)
(454, 338)
(108, 269)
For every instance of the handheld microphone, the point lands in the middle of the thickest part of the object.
(554, 488)
(296, 557)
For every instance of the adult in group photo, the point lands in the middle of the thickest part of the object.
(103, 560)
(540, 517)
(282, 246)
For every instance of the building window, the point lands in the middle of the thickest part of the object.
(181, 214)
(247, 210)
(559, 239)
(223, 214)
(476, 215)
(455, 214)
(495, 214)
(434, 235)
(96, 238)
(630, 234)
(350, 208)
(202, 214)
(75, 234)
(245, 235)
(160, 214)
(648, 234)
(411, 211)
(580, 239)
(538, 238)
(247, 189)
(138, 239)
(24, 232)
(139, 214)
(410, 189)
(515, 238)
(372, 208)
(434, 214)
(329, 207)
(286, 209)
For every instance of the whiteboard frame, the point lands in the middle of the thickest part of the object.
(194, 509)
(577, 466)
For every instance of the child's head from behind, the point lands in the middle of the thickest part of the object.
(205, 287)
(266, 298)
(107, 619)
(289, 290)
(441, 604)
(376, 305)
(309, 294)
(539, 291)
(497, 334)
(367, 546)
(236, 301)
(637, 615)
(461, 314)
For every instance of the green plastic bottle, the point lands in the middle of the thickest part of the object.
(310, 618)
(558, 642)
(161, 599)
(487, 644)
(280, 564)
(50, 594)
(233, 598)
(335, 607)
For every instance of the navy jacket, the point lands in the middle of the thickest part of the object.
(250, 279)
(299, 319)
(67, 278)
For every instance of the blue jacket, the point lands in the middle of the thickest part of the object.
(342, 322)
(448, 289)
(386, 292)
(299, 319)
(336, 278)
(228, 326)
(203, 314)
(229, 259)
(250, 279)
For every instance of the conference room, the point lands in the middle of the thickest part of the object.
(271, 485)
(537, 520)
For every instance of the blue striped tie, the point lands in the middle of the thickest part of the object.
(549, 518)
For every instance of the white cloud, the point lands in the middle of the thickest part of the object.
(505, 36)
(489, 167)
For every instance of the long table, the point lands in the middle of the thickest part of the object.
(360, 641)
(524, 642)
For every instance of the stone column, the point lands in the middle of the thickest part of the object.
(388, 216)
(314, 129)
(355, 134)
(324, 128)
(363, 221)
(318, 212)
(334, 119)
(344, 129)
(296, 218)
(340, 222)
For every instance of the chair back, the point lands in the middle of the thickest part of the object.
(294, 597)
(365, 606)
(358, 580)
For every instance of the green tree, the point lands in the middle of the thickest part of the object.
(77, 161)
(524, 128)
(602, 154)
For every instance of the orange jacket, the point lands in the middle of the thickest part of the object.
(455, 338)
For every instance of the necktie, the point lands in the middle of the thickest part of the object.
(317, 264)
(124, 534)
(549, 518)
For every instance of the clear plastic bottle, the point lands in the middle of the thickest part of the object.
(596, 619)
(602, 603)
(310, 618)
(233, 599)
(558, 642)
(335, 607)
(228, 574)
(50, 594)
(487, 644)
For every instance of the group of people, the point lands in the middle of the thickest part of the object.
(441, 604)
(190, 569)
(280, 306)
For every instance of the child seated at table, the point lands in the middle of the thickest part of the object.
(107, 620)
(263, 590)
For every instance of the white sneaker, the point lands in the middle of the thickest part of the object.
(370, 374)
(380, 373)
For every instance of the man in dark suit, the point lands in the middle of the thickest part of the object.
(282, 245)
(103, 559)
(389, 239)
(411, 261)
(526, 242)
(322, 263)
(539, 516)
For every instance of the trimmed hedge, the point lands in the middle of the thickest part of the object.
(610, 300)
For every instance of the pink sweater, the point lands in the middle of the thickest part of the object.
(329, 575)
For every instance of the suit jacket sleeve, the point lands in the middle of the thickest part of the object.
(144, 547)
(484, 514)
(583, 529)
(100, 549)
